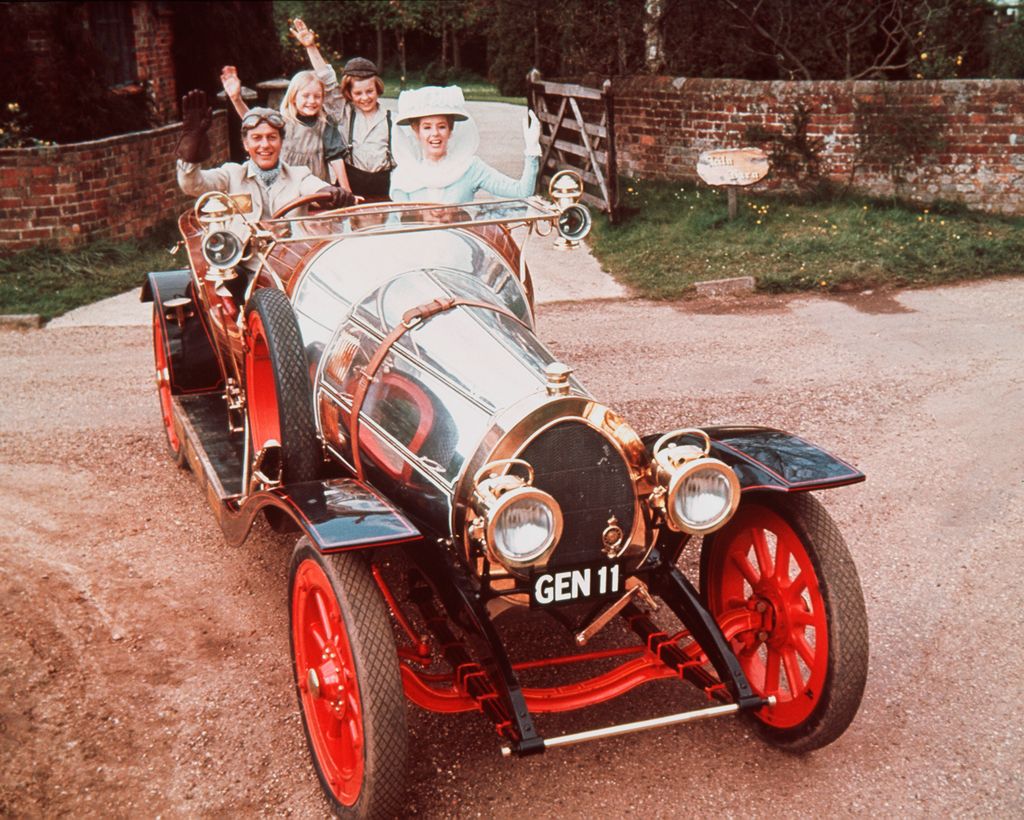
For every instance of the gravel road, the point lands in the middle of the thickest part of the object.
(144, 666)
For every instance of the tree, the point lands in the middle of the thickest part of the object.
(857, 39)
(654, 42)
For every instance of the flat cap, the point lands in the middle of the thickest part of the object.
(360, 68)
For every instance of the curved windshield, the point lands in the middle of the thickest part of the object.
(352, 267)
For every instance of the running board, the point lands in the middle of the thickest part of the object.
(639, 726)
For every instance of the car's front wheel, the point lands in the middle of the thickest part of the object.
(348, 682)
(782, 568)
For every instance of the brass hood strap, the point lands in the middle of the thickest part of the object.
(410, 319)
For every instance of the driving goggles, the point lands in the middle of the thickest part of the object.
(257, 115)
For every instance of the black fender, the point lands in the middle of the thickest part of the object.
(337, 514)
(768, 459)
(191, 357)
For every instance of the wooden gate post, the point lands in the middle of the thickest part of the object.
(613, 167)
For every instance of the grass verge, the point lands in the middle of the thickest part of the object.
(673, 235)
(49, 281)
(474, 87)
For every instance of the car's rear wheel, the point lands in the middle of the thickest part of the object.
(161, 358)
(348, 682)
(277, 389)
(785, 560)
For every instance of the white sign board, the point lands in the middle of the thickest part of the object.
(732, 166)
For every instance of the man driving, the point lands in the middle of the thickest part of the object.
(270, 182)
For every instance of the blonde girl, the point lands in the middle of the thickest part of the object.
(312, 138)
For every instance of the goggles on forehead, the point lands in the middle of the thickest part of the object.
(258, 115)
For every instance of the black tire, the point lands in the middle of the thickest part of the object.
(817, 594)
(161, 360)
(369, 782)
(279, 397)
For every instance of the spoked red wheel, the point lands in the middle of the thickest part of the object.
(785, 561)
(350, 692)
(163, 386)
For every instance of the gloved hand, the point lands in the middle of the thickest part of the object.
(340, 197)
(194, 144)
(531, 135)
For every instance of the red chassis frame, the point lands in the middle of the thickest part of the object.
(467, 689)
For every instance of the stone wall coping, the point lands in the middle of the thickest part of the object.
(103, 143)
(663, 82)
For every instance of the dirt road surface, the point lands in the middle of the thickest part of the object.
(144, 666)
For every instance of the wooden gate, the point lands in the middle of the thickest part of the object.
(577, 132)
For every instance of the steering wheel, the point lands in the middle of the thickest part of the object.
(308, 199)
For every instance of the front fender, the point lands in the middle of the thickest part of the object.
(191, 359)
(337, 514)
(769, 459)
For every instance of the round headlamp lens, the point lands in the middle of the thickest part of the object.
(223, 249)
(524, 529)
(703, 496)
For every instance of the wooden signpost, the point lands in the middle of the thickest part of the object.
(732, 168)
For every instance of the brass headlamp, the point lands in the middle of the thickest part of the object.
(226, 233)
(574, 221)
(516, 523)
(698, 494)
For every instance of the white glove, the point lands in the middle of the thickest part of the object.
(531, 135)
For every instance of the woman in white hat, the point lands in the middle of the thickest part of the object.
(436, 151)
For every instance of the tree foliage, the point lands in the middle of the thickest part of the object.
(209, 35)
(61, 95)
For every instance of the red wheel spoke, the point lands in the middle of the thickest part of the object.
(771, 673)
(799, 616)
(793, 674)
(782, 554)
(764, 558)
(798, 584)
(325, 618)
(742, 563)
(804, 649)
(318, 638)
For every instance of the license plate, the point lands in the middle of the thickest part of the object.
(574, 584)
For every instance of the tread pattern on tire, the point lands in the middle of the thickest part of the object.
(848, 632)
(381, 693)
(299, 445)
(844, 601)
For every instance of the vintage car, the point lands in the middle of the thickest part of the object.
(378, 388)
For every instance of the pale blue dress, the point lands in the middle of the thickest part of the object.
(479, 176)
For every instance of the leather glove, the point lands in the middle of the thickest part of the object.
(196, 115)
(531, 135)
(340, 197)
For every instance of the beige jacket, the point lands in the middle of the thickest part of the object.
(231, 178)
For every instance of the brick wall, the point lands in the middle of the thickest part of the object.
(114, 188)
(976, 155)
(152, 23)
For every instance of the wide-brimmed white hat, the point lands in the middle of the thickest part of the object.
(431, 101)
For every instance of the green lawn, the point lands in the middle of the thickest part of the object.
(475, 88)
(674, 235)
(50, 282)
